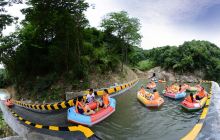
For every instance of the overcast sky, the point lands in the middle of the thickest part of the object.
(164, 22)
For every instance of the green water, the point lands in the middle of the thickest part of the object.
(133, 121)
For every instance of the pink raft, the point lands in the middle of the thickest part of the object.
(73, 116)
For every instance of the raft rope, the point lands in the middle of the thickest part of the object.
(191, 135)
(70, 103)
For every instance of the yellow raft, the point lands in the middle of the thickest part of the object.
(150, 103)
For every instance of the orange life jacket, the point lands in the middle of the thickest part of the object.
(105, 99)
(156, 95)
(81, 106)
(201, 94)
(142, 91)
(189, 99)
(153, 83)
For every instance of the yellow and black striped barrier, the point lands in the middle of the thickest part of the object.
(191, 135)
(85, 130)
(55, 106)
(69, 103)
(206, 81)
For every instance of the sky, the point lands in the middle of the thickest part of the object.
(163, 22)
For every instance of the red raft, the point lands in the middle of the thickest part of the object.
(192, 106)
(9, 103)
(101, 114)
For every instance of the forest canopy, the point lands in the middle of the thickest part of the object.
(191, 56)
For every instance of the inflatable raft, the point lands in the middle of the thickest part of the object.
(195, 105)
(194, 88)
(161, 81)
(173, 95)
(150, 103)
(9, 103)
(90, 120)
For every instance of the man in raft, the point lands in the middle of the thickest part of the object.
(153, 77)
(201, 94)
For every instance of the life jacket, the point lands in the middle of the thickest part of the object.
(175, 88)
(153, 83)
(189, 99)
(156, 95)
(142, 91)
(201, 94)
(78, 104)
(105, 99)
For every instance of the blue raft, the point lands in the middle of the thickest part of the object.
(175, 96)
(90, 120)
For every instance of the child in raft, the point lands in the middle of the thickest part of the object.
(91, 96)
(105, 99)
(82, 107)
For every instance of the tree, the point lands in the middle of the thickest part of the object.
(52, 34)
(6, 19)
(191, 56)
(125, 28)
(50, 41)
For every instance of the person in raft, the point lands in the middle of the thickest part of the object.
(152, 83)
(180, 88)
(155, 95)
(201, 94)
(174, 87)
(91, 96)
(142, 91)
(105, 99)
(82, 108)
(153, 77)
(191, 99)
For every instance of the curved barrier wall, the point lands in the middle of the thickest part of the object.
(191, 135)
(85, 130)
(69, 103)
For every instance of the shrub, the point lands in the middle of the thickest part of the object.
(145, 65)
